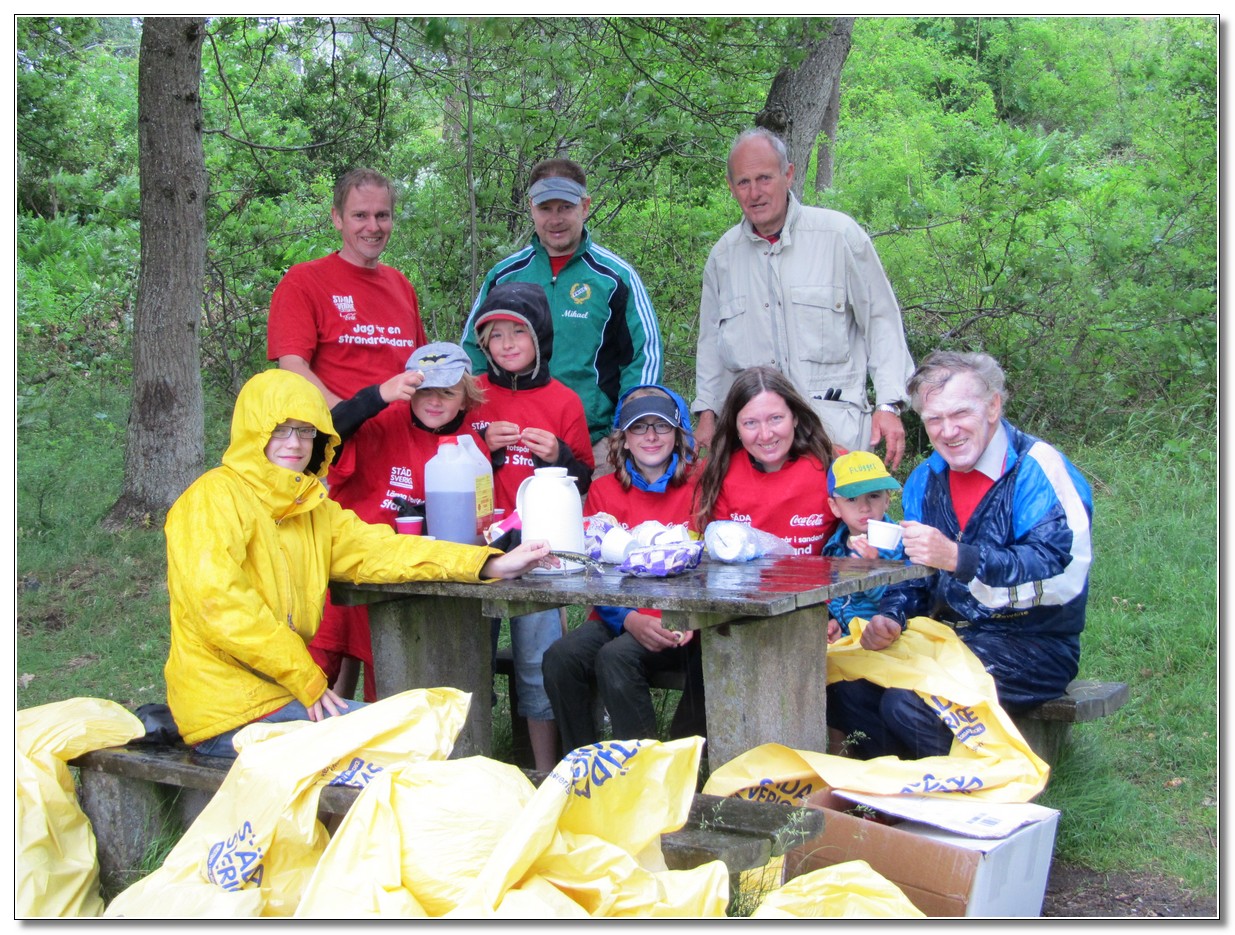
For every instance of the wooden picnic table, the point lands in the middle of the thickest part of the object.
(764, 637)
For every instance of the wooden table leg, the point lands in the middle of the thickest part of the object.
(764, 682)
(436, 642)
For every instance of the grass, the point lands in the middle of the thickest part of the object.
(1137, 790)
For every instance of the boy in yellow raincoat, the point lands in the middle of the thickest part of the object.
(251, 547)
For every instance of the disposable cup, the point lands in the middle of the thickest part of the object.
(616, 545)
(883, 535)
(410, 525)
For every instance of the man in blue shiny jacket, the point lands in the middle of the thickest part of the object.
(1005, 518)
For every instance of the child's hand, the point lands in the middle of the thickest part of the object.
(520, 560)
(861, 548)
(541, 443)
(651, 633)
(500, 434)
(834, 632)
(401, 386)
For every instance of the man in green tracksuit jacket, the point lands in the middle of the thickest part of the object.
(606, 337)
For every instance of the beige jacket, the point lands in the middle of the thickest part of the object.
(817, 306)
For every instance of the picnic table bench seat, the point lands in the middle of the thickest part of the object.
(137, 794)
(1046, 728)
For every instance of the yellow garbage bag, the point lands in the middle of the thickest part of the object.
(989, 758)
(57, 859)
(852, 890)
(415, 839)
(473, 838)
(253, 848)
(592, 832)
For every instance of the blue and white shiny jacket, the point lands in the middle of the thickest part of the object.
(1018, 594)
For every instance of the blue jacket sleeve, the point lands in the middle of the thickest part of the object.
(613, 617)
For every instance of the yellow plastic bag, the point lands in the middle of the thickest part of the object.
(592, 832)
(254, 847)
(989, 758)
(415, 839)
(852, 890)
(57, 859)
(474, 839)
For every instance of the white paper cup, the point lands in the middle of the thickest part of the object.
(883, 535)
(616, 545)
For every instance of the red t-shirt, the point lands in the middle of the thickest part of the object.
(635, 506)
(554, 407)
(791, 503)
(355, 326)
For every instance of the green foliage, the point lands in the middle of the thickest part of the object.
(1030, 201)
(1044, 189)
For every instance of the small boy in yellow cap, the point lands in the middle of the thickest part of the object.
(859, 488)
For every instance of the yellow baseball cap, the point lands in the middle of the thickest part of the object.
(859, 472)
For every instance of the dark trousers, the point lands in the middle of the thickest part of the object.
(620, 668)
(891, 721)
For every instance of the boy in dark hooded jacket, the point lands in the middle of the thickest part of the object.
(528, 420)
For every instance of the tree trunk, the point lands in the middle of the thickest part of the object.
(826, 154)
(797, 104)
(164, 449)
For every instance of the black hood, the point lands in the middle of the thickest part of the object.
(527, 302)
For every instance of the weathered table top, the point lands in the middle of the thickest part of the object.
(761, 588)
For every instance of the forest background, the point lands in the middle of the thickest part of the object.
(1044, 189)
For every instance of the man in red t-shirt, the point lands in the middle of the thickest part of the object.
(346, 321)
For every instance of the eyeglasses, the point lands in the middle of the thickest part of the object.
(641, 428)
(285, 431)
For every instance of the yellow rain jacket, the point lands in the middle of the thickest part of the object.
(251, 547)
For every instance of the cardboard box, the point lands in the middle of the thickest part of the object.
(943, 872)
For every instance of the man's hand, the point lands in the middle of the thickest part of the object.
(926, 545)
(650, 633)
(541, 443)
(401, 386)
(880, 632)
(326, 706)
(705, 429)
(834, 632)
(887, 427)
(520, 559)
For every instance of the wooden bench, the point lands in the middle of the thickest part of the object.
(521, 745)
(1046, 727)
(142, 793)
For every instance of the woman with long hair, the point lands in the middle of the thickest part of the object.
(769, 463)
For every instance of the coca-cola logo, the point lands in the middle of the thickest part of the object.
(815, 519)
